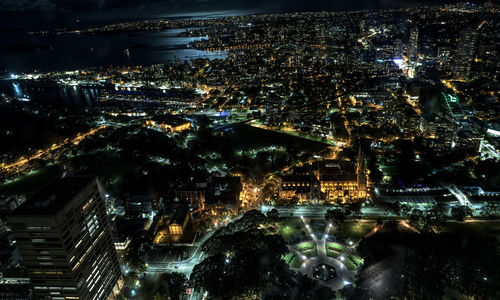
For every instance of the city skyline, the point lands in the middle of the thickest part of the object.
(262, 151)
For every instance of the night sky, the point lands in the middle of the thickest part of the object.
(23, 15)
(201, 5)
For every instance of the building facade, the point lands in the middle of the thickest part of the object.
(169, 123)
(329, 181)
(65, 240)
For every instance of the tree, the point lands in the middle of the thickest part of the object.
(459, 213)
(135, 262)
(421, 266)
(490, 210)
(273, 215)
(392, 208)
(130, 279)
(242, 263)
(404, 209)
(172, 285)
(335, 216)
(252, 218)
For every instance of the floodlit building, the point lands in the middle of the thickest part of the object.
(65, 240)
(179, 220)
(340, 182)
(305, 187)
(329, 181)
(169, 123)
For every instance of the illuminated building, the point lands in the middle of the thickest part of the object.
(169, 123)
(413, 45)
(331, 181)
(464, 54)
(179, 220)
(305, 187)
(340, 181)
(415, 196)
(65, 240)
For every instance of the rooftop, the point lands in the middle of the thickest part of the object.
(54, 196)
(170, 120)
(179, 215)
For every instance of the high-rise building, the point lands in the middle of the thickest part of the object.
(65, 240)
(413, 45)
(464, 54)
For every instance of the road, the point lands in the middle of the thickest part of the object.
(23, 163)
(181, 266)
(318, 212)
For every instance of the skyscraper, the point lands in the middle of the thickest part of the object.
(64, 237)
(413, 45)
(464, 53)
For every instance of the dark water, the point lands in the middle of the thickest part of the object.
(71, 96)
(21, 53)
(70, 51)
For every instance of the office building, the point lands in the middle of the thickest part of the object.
(65, 240)
(465, 53)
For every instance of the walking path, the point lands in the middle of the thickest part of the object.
(343, 275)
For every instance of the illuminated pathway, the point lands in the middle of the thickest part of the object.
(343, 276)
(461, 197)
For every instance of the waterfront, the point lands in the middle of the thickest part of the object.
(72, 51)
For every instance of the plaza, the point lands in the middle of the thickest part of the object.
(331, 263)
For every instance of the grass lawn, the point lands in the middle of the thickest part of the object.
(310, 253)
(353, 231)
(349, 264)
(104, 163)
(335, 247)
(249, 137)
(292, 260)
(484, 228)
(306, 246)
(332, 253)
(308, 249)
(32, 181)
(358, 261)
(288, 257)
(291, 229)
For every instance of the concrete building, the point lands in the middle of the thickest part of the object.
(192, 194)
(340, 181)
(169, 123)
(65, 240)
(305, 187)
(179, 220)
(464, 54)
(223, 193)
(327, 181)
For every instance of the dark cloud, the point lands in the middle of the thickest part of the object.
(200, 5)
